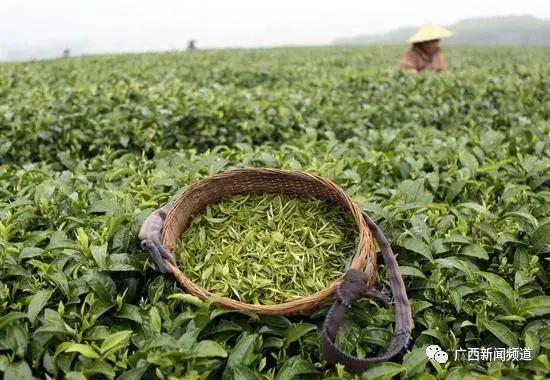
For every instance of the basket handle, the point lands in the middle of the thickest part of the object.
(353, 287)
(149, 235)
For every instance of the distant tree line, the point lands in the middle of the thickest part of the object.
(510, 30)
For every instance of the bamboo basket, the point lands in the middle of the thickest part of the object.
(265, 181)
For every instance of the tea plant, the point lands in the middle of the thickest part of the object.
(455, 169)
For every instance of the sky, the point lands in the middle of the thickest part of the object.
(138, 25)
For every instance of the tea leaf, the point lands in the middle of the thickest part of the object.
(415, 361)
(207, 349)
(503, 333)
(295, 366)
(187, 298)
(11, 317)
(82, 349)
(17, 371)
(102, 285)
(38, 302)
(241, 372)
(475, 250)
(243, 353)
(535, 306)
(416, 245)
(384, 371)
(541, 237)
(100, 254)
(114, 340)
(296, 332)
(134, 374)
(411, 271)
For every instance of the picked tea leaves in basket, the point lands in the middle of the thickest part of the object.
(267, 249)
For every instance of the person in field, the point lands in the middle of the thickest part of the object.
(425, 53)
(191, 45)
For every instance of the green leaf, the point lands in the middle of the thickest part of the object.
(18, 371)
(75, 376)
(222, 327)
(411, 271)
(99, 367)
(243, 353)
(114, 340)
(102, 285)
(97, 333)
(541, 237)
(100, 254)
(160, 359)
(156, 289)
(468, 160)
(499, 284)
(415, 361)
(414, 192)
(419, 227)
(521, 279)
(454, 190)
(155, 320)
(122, 262)
(219, 312)
(452, 262)
(418, 306)
(273, 342)
(474, 250)
(276, 321)
(424, 376)
(532, 342)
(130, 312)
(134, 374)
(500, 299)
(297, 331)
(54, 324)
(384, 371)
(535, 306)
(418, 246)
(106, 206)
(38, 302)
(295, 366)
(240, 372)
(475, 207)
(503, 333)
(522, 215)
(11, 317)
(456, 238)
(82, 349)
(188, 298)
(30, 252)
(207, 349)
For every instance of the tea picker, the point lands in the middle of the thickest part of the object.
(160, 233)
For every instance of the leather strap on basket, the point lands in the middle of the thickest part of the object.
(354, 287)
(150, 235)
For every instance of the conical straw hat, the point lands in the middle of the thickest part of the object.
(430, 32)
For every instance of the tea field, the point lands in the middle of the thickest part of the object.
(455, 169)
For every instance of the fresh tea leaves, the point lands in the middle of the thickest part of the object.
(267, 249)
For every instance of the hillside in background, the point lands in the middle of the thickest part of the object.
(509, 30)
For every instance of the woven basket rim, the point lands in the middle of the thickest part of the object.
(363, 259)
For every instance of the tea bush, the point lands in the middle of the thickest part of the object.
(454, 168)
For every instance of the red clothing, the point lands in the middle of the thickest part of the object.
(416, 59)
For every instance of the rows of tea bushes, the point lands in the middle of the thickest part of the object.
(153, 102)
(455, 170)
